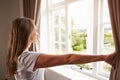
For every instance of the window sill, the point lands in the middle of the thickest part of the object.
(68, 74)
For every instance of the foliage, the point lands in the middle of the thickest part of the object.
(78, 40)
(85, 66)
(108, 39)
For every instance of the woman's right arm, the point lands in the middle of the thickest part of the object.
(46, 60)
(110, 59)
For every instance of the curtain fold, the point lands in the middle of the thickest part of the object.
(31, 9)
(114, 10)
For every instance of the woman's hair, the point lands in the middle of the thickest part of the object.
(18, 41)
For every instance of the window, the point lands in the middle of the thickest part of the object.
(81, 27)
(58, 26)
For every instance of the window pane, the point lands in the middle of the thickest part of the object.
(59, 29)
(59, 16)
(56, 48)
(108, 36)
(80, 20)
(63, 34)
(79, 39)
(80, 16)
(56, 33)
(56, 17)
(63, 48)
(105, 10)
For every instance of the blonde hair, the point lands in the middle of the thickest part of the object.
(18, 41)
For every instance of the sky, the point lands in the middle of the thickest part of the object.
(81, 12)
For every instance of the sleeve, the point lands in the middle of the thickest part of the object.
(28, 59)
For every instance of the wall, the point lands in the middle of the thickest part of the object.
(66, 73)
(52, 75)
(9, 9)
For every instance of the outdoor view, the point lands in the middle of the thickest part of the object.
(79, 39)
(80, 23)
(80, 20)
(108, 37)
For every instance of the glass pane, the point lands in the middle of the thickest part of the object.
(56, 48)
(62, 16)
(56, 34)
(63, 34)
(58, 23)
(80, 13)
(59, 17)
(63, 47)
(80, 20)
(56, 17)
(108, 36)
(56, 1)
(80, 17)
(106, 16)
(79, 40)
(59, 29)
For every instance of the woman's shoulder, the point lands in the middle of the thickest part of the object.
(28, 55)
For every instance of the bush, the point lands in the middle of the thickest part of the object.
(108, 39)
(78, 48)
(78, 40)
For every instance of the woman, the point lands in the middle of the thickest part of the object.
(25, 64)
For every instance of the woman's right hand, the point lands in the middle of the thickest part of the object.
(110, 59)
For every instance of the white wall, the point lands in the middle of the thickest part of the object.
(9, 9)
(66, 73)
(52, 75)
